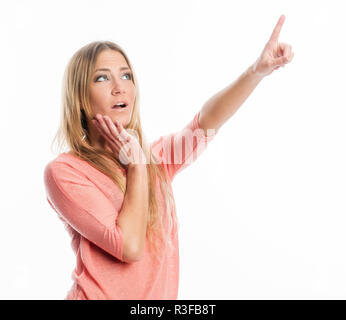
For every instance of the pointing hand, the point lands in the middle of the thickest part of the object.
(275, 54)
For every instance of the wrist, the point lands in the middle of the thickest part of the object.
(136, 166)
(254, 73)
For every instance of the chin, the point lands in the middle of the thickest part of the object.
(123, 119)
(123, 122)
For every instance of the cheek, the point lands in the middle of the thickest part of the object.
(132, 92)
(97, 96)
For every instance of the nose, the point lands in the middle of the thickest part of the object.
(117, 88)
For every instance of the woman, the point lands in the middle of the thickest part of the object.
(112, 190)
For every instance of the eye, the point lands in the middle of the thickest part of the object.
(128, 74)
(103, 75)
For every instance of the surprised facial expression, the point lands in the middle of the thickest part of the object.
(112, 84)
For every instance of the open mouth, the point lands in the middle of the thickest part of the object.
(119, 106)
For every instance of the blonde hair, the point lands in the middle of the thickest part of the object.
(73, 131)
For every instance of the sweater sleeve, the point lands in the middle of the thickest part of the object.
(83, 206)
(178, 150)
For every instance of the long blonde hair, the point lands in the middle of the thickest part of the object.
(73, 131)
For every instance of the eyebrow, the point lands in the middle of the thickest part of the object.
(106, 69)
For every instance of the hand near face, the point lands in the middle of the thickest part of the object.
(275, 54)
(125, 147)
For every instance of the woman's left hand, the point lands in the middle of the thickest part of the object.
(274, 54)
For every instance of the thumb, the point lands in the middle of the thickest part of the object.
(281, 61)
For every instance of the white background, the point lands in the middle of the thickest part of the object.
(262, 211)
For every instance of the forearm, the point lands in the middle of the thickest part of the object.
(220, 107)
(132, 219)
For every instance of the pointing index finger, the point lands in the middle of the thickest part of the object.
(276, 32)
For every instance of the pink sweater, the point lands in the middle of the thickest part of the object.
(88, 203)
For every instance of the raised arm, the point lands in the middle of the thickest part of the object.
(220, 107)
